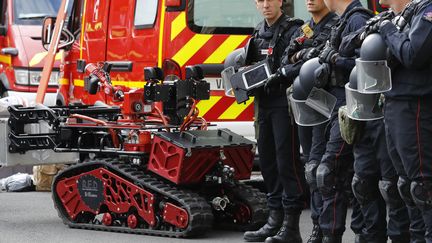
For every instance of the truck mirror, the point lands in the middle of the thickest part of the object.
(3, 29)
(47, 31)
(173, 3)
(9, 51)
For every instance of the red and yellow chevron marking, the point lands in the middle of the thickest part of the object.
(188, 48)
(222, 108)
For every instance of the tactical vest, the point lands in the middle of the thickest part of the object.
(323, 36)
(318, 39)
(259, 48)
(340, 77)
(337, 30)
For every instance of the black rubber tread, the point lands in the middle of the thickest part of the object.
(257, 203)
(200, 213)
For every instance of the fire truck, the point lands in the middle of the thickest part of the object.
(170, 34)
(21, 54)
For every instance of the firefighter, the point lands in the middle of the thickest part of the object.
(277, 141)
(408, 108)
(334, 173)
(306, 44)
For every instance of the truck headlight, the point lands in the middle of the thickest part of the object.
(35, 77)
(21, 76)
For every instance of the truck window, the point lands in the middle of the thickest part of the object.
(75, 12)
(222, 16)
(33, 12)
(145, 13)
(3, 12)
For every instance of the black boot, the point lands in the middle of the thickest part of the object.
(316, 235)
(274, 222)
(289, 232)
(400, 239)
(360, 239)
(332, 239)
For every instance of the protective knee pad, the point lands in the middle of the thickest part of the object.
(311, 174)
(421, 192)
(389, 191)
(365, 189)
(404, 185)
(326, 180)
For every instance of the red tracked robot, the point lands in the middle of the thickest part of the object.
(143, 171)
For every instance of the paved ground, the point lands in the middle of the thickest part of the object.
(30, 217)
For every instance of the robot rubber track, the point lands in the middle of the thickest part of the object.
(200, 217)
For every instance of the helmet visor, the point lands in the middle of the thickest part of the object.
(363, 107)
(305, 115)
(321, 101)
(226, 75)
(373, 77)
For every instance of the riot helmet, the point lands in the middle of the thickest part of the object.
(373, 72)
(362, 107)
(308, 74)
(353, 79)
(311, 106)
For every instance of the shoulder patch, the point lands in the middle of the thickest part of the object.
(428, 13)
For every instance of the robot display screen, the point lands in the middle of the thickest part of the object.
(256, 76)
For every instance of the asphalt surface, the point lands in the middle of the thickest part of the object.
(31, 217)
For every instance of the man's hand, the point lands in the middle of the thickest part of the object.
(310, 53)
(305, 54)
(274, 78)
(328, 55)
(373, 24)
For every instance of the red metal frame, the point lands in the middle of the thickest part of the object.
(175, 164)
(175, 215)
(121, 199)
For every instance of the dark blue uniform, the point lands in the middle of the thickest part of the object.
(312, 139)
(334, 173)
(373, 166)
(374, 172)
(277, 141)
(408, 108)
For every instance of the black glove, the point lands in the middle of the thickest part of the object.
(328, 55)
(373, 24)
(273, 79)
(305, 54)
(293, 47)
(310, 53)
